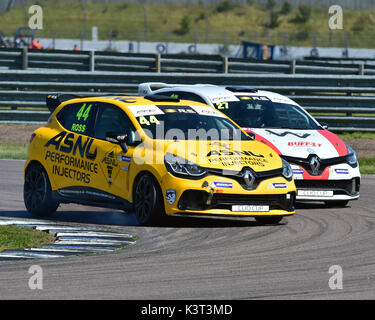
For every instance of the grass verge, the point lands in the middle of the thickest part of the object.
(187, 22)
(13, 150)
(18, 238)
(367, 165)
(357, 135)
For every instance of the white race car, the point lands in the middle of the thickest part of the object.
(324, 167)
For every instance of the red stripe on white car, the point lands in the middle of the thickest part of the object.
(323, 176)
(260, 138)
(335, 141)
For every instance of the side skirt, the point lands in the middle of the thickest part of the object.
(91, 197)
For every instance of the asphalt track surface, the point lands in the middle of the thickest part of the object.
(204, 258)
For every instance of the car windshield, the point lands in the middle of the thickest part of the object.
(186, 123)
(260, 112)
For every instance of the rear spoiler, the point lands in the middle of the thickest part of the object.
(54, 100)
(147, 88)
(241, 89)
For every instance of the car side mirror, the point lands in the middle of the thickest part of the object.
(118, 138)
(131, 138)
(324, 125)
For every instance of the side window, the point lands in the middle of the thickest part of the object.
(110, 119)
(78, 117)
(186, 96)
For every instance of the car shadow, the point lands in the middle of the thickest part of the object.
(118, 218)
(192, 221)
(94, 217)
(318, 205)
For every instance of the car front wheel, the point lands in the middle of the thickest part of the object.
(148, 201)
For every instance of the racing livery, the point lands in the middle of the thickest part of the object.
(153, 156)
(324, 168)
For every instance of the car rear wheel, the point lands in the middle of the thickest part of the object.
(268, 220)
(37, 192)
(148, 201)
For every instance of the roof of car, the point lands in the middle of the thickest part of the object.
(131, 100)
(212, 93)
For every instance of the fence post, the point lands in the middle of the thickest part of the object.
(361, 69)
(349, 114)
(92, 61)
(157, 63)
(225, 64)
(25, 58)
(293, 66)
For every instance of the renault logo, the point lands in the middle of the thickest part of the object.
(249, 178)
(314, 164)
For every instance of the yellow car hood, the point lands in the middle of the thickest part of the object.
(228, 155)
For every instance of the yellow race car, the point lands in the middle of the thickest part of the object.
(153, 155)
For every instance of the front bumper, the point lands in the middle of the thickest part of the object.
(335, 182)
(318, 190)
(199, 196)
(194, 200)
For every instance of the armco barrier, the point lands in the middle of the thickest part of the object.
(24, 59)
(336, 99)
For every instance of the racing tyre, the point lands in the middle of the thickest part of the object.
(148, 201)
(37, 193)
(268, 220)
(337, 203)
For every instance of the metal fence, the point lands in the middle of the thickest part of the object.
(24, 59)
(345, 102)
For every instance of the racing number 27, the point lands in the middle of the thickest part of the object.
(222, 105)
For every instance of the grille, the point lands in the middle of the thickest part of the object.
(345, 186)
(238, 176)
(197, 200)
(324, 163)
(247, 199)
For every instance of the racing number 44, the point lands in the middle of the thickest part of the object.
(82, 113)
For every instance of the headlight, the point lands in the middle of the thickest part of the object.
(287, 170)
(351, 158)
(180, 166)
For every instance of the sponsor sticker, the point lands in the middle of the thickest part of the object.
(124, 158)
(342, 171)
(109, 166)
(141, 111)
(223, 185)
(205, 111)
(278, 185)
(285, 133)
(315, 193)
(216, 99)
(304, 144)
(310, 150)
(298, 171)
(170, 196)
(249, 208)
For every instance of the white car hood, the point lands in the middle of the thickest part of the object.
(302, 143)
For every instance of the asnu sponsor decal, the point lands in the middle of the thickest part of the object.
(65, 143)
